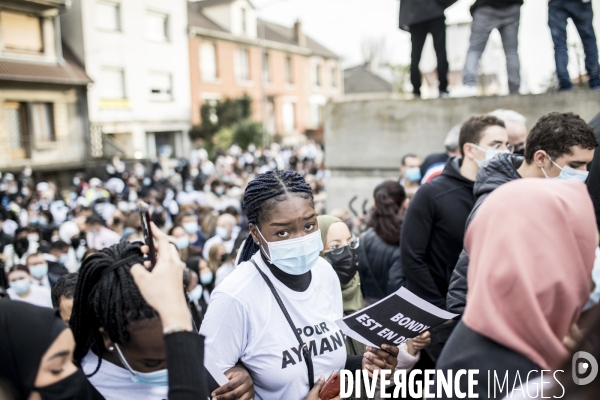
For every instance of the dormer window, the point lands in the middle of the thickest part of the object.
(21, 33)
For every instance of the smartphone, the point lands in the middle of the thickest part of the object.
(147, 231)
(331, 388)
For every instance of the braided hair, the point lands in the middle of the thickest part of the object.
(261, 195)
(106, 297)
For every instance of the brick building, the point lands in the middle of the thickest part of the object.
(43, 111)
(289, 76)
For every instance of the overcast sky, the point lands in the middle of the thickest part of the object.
(342, 25)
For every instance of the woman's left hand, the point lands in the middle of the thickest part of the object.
(240, 385)
(384, 358)
(418, 343)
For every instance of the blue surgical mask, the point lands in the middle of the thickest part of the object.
(195, 294)
(567, 173)
(156, 378)
(190, 227)
(295, 256)
(21, 286)
(63, 258)
(206, 278)
(413, 174)
(182, 242)
(221, 232)
(38, 271)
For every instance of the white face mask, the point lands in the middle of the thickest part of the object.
(490, 153)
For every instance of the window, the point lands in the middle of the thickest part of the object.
(112, 83)
(41, 117)
(161, 86)
(289, 116)
(242, 65)
(317, 114)
(266, 67)
(108, 16)
(15, 123)
(333, 77)
(21, 32)
(157, 27)
(317, 74)
(288, 70)
(208, 62)
(244, 27)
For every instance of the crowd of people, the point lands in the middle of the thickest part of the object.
(423, 17)
(252, 270)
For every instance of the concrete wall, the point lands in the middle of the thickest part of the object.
(365, 140)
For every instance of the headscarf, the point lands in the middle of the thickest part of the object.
(351, 294)
(26, 333)
(531, 248)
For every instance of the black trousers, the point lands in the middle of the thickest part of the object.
(418, 34)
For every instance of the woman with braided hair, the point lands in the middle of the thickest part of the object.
(276, 311)
(120, 342)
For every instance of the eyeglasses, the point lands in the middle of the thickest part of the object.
(516, 148)
(337, 249)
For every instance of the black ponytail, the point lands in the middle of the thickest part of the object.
(261, 195)
(106, 297)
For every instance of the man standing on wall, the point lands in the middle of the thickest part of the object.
(421, 17)
(488, 15)
(581, 13)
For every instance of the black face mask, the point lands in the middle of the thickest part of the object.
(74, 387)
(116, 221)
(224, 257)
(75, 242)
(21, 246)
(345, 264)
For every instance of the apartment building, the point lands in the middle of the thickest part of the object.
(136, 53)
(43, 120)
(289, 76)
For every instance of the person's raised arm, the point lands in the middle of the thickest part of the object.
(163, 290)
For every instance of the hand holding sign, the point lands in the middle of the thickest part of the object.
(384, 358)
(393, 320)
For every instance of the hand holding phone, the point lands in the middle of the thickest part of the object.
(331, 388)
(147, 231)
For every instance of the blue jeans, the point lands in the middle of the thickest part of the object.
(582, 15)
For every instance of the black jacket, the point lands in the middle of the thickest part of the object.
(55, 271)
(433, 232)
(467, 349)
(379, 267)
(593, 181)
(495, 4)
(500, 170)
(416, 11)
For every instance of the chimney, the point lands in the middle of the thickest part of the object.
(298, 34)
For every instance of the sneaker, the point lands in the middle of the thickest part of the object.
(465, 91)
(444, 94)
(594, 85)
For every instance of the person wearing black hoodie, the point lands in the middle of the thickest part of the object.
(560, 145)
(434, 224)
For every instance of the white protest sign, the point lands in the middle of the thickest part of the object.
(393, 320)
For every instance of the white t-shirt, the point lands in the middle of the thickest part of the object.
(114, 382)
(38, 296)
(244, 322)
